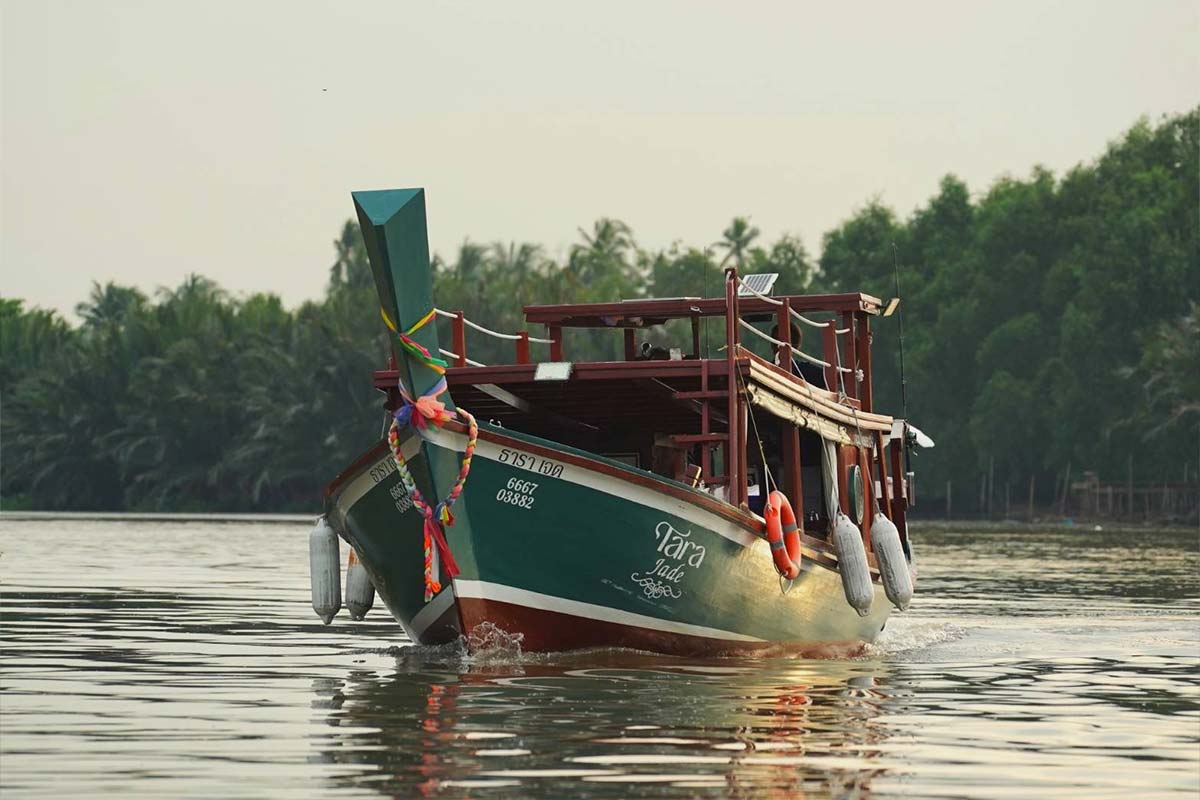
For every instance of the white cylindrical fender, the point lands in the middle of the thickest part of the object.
(360, 592)
(893, 566)
(852, 564)
(325, 571)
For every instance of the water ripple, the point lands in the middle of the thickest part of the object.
(181, 659)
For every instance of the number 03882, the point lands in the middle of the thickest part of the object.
(517, 493)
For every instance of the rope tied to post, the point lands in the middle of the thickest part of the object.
(411, 346)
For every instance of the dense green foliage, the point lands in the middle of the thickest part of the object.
(1049, 322)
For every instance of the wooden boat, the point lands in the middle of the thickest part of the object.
(612, 504)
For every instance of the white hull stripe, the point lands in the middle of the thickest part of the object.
(602, 482)
(483, 590)
(432, 611)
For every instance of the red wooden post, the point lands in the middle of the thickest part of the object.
(797, 497)
(842, 467)
(830, 340)
(864, 359)
(523, 347)
(458, 339)
(783, 320)
(393, 392)
(630, 344)
(789, 435)
(735, 456)
(705, 451)
(885, 500)
(743, 488)
(789, 438)
(851, 353)
(695, 337)
(554, 334)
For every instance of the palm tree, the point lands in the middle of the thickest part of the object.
(736, 241)
(518, 267)
(602, 264)
(472, 260)
(108, 305)
(609, 238)
(351, 269)
(516, 262)
(27, 339)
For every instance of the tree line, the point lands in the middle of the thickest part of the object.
(1051, 323)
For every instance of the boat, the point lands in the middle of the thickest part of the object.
(580, 504)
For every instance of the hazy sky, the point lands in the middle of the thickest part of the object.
(144, 141)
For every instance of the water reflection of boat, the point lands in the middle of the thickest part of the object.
(613, 503)
(606, 723)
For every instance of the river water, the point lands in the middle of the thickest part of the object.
(182, 659)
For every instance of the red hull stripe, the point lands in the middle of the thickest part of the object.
(552, 631)
(489, 592)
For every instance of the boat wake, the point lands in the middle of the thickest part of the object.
(487, 643)
(906, 636)
(489, 646)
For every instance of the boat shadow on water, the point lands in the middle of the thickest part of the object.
(607, 723)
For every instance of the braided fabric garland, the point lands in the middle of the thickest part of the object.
(429, 411)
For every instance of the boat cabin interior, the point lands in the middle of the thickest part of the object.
(666, 407)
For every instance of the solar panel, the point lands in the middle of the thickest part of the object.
(760, 282)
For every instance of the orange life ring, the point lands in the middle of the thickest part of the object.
(783, 535)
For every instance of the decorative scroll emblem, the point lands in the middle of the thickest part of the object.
(655, 589)
(677, 553)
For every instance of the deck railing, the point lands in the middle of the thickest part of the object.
(458, 332)
(845, 360)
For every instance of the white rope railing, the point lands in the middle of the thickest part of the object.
(793, 312)
(512, 337)
(795, 351)
(806, 320)
(470, 361)
(759, 333)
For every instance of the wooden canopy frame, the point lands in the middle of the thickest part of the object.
(693, 398)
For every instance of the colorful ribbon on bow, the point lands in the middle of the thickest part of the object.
(426, 410)
(411, 346)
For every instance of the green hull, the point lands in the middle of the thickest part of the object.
(571, 550)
